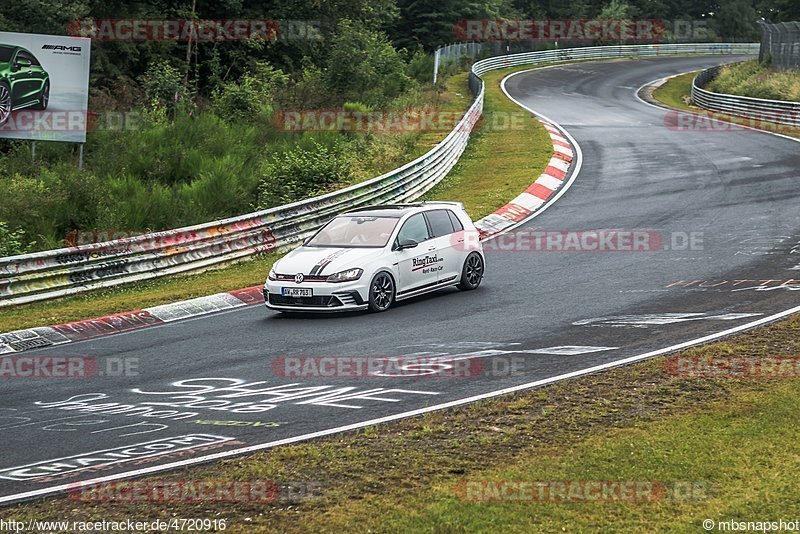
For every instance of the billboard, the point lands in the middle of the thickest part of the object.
(44, 87)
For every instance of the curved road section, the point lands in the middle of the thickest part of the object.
(669, 234)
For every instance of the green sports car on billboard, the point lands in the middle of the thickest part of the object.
(23, 81)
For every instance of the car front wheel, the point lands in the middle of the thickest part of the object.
(5, 102)
(381, 292)
(44, 97)
(472, 272)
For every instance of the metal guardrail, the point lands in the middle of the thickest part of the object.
(758, 109)
(65, 271)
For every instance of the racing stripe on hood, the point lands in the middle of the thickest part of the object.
(325, 261)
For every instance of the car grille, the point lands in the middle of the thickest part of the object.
(322, 301)
(306, 278)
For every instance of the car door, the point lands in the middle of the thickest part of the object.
(37, 75)
(416, 266)
(442, 230)
(21, 83)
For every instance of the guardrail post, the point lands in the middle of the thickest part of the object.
(436, 65)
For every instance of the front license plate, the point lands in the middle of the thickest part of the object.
(297, 292)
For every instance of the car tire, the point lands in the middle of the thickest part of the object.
(381, 292)
(44, 98)
(5, 102)
(472, 272)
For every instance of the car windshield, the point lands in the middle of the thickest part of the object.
(355, 231)
(5, 53)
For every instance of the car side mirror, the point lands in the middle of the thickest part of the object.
(406, 243)
(21, 62)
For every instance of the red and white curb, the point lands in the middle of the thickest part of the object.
(539, 192)
(47, 336)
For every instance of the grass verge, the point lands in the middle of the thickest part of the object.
(730, 444)
(676, 93)
(516, 156)
(751, 78)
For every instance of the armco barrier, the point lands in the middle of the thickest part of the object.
(758, 109)
(55, 273)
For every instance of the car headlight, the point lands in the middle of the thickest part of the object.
(346, 276)
(272, 275)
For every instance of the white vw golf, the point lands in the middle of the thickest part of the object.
(371, 257)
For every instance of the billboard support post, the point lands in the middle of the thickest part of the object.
(80, 156)
(33, 152)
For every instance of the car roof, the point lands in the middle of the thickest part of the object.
(399, 210)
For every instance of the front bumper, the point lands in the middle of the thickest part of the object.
(326, 297)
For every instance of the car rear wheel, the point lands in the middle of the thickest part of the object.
(472, 272)
(5, 102)
(44, 98)
(381, 292)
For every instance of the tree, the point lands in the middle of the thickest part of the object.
(363, 65)
(433, 25)
(779, 10)
(618, 11)
(736, 20)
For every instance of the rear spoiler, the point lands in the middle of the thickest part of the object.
(458, 205)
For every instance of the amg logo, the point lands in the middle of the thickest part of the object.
(61, 47)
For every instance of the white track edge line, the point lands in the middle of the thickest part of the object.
(403, 415)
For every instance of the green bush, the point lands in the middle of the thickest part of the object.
(307, 91)
(251, 96)
(177, 152)
(363, 65)
(164, 87)
(420, 67)
(356, 107)
(13, 242)
(51, 204)
(301, 173)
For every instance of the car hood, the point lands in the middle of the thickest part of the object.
(321, 261)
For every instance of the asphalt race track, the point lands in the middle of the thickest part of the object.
(538, 314)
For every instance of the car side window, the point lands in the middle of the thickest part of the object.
(415, 229)
(440, 222)
(23, 55)
(457, 226)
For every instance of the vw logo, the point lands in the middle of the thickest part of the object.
(298, 278)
